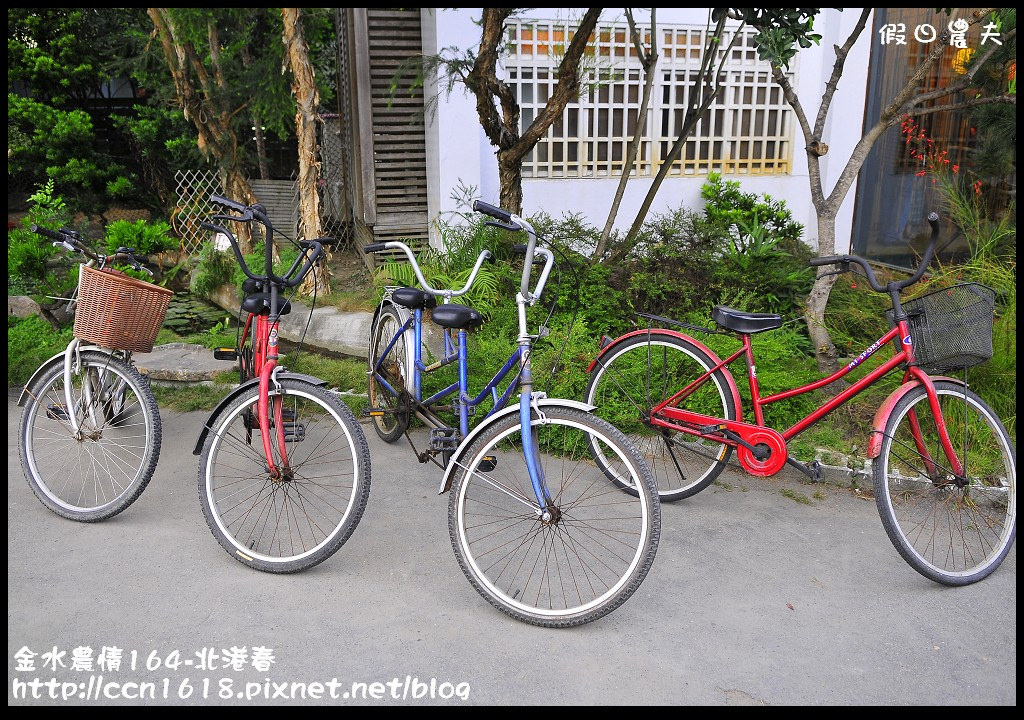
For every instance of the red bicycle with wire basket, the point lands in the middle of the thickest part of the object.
(284, 474)
(944, 466)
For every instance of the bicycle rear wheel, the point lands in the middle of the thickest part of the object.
(953, 530)
(302, 517)
(592, 551)
(394, 369)
(640, 373)
(98, 472)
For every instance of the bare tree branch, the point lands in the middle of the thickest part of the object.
(837, 72)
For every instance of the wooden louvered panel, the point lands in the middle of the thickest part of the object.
(280, 198)
(399, 145)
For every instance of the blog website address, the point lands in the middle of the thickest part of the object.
(99, 689)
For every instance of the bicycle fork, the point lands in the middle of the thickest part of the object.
(531, 447)
(940, 425)
(267, 373)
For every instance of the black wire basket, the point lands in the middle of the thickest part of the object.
(951, 328)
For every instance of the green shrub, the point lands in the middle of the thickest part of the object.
(30, 342)
(145, 238)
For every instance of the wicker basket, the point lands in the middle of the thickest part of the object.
(952, 327)
(117, 311)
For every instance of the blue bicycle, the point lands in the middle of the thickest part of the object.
(539, 528)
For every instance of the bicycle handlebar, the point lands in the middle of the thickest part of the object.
(895, 286)
(510, 221)
(397, 245)
(71, 241)
(256, 211)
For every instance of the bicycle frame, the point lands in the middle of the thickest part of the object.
(668, 415)
(266, 333)
(456, 352)
(453, 352)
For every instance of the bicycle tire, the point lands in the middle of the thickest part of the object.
(952, 535)
(635, 376)
(114, 469)
(598, 545)
(391, 425)
(325, 438)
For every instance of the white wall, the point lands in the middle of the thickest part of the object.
(463, 153)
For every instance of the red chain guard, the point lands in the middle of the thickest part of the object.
(761, 436)
(753, 434)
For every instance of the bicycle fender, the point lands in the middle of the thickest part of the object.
(446, 479)
(403, 317)
(57, 359)
(238, 391)
(682, 336)
(886, 408)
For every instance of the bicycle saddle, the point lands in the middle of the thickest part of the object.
(457, 317)
(745, 322)
(414, 298)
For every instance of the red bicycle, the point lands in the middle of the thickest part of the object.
(943, 464)
(285, 469)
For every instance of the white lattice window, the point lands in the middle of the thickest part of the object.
(748, 129)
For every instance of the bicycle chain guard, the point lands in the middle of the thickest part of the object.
(768, 438)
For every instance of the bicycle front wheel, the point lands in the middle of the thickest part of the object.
(640, 373)
(299, 517)
(588, 551)
(954, 530)
(99, 471)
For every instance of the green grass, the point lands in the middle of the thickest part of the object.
(190, 398)
(795, 496)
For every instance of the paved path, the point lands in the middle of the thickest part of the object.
(754, 599)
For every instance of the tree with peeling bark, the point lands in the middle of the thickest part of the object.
(307, 103)
(908, 102)
(202, 91)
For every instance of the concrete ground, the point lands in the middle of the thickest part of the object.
(753, 599)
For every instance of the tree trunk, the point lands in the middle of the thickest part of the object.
(510, 175)
(199, 105)
(261, 148)
(814, 315)
(307, 100)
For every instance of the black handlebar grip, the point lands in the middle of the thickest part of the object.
(826, 260)
(494, 212)
(374, 247)
(47, 233)
(221, 200)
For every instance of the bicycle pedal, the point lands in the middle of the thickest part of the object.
(444, 439)
(225, 353)
(375, 412)
(288, 415)
(294, 432)
(488, 463)
(57, 412)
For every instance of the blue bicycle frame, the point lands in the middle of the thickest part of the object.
(455, 351)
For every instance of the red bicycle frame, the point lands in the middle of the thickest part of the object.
(667, 414)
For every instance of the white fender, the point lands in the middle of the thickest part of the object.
(461, 449)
